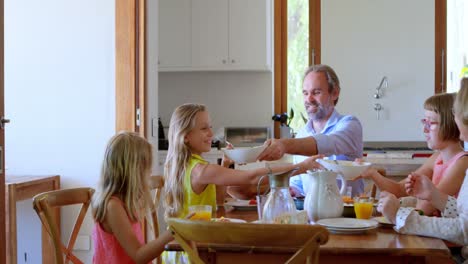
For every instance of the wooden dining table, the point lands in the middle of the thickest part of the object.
(382, 245)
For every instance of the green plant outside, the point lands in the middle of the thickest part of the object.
(298, 58)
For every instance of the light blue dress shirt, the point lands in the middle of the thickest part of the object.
(340, 139)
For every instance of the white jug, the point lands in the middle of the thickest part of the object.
(322, 197)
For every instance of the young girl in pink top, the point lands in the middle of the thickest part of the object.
(121, 201)
(446, 167)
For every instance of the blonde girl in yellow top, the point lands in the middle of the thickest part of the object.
(189, 179)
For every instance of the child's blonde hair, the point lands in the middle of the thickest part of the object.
(125, 172)
(178, 156)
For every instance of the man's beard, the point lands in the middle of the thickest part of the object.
(319, 114)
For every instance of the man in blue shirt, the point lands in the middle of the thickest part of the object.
(327, 132)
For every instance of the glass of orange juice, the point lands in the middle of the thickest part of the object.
(201, 212)
(363, 207)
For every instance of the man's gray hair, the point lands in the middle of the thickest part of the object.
(330, 74)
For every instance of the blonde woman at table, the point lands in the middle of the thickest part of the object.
(189, 179)
(446, 167)
(453, 226)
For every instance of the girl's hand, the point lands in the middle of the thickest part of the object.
(226, 162)
(369, 173)
(310, 164)
(420, 186)
(388, 206)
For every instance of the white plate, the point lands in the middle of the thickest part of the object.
(347, 223)
(349, 231)
(352, 205)
(241, 205)
(383, 221)
(229, 220)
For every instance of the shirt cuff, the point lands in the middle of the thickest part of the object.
(324, 146)
(402, 214)
(450, 208)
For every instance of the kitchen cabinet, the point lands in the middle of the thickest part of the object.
(174, 33)
(250, 34)
(221, 34)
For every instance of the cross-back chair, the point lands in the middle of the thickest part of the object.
(156, 183)
(307, 238)
(45, 205)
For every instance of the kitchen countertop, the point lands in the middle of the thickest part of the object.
(397, 167)
(396, 146)
(397, 158)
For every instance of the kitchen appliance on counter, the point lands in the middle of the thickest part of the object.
(246, 136)
(163, 143)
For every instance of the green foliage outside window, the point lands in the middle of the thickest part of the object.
(298, 57)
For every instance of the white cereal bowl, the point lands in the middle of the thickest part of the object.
(244, 155)
(349, 169)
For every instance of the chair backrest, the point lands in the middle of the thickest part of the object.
(307, 238)
(156, 183)
(46, 204)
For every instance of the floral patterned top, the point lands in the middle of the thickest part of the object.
(452, 226)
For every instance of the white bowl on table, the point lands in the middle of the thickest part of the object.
(348, 169)
(244, 154)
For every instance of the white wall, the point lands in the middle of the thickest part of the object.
(364, 40)
(232, 98)
(59, 95)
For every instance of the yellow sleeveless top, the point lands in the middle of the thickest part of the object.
(207, 197)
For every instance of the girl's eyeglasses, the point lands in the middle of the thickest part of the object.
(427, 124)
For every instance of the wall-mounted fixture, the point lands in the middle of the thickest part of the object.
(383, 84)
(377, 108)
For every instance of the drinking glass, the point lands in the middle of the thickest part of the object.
(261, 200)
(363, 207)
(201, 212)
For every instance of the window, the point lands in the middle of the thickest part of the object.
(298, 58)
(457, 43)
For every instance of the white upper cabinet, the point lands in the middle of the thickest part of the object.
(250, 34)
(209, 33)
(174, 33)
(222, 35)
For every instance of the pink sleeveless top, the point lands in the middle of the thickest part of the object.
(440, 167)
(106, 246)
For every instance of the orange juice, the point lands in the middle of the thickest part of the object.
(201, 212)
(363, 210)
(201, 215)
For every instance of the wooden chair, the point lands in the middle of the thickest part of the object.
(307, 238)
(45, 203)
(156, 183)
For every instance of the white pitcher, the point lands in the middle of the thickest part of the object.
(323, 199)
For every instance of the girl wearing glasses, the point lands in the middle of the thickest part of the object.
(454, 224)
(446, 167)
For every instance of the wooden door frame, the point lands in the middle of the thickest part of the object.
(280, 60)
(2, 138)
(130, 65)
(130, 68)
(280, 51)
(440, 47)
